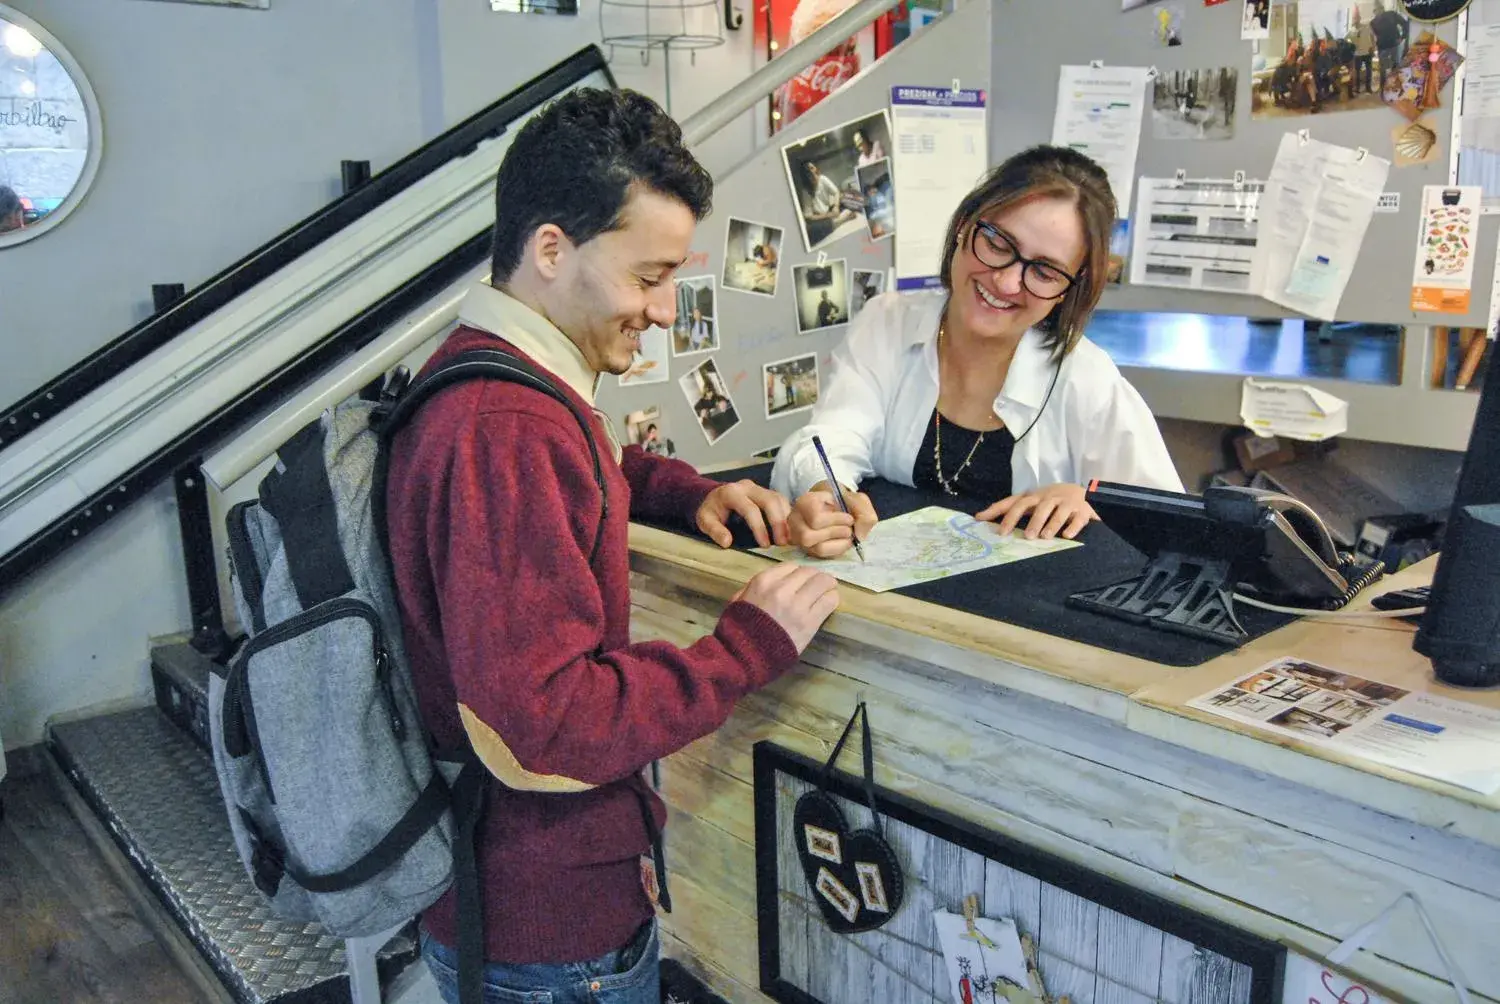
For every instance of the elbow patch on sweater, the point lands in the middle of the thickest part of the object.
(501, 762)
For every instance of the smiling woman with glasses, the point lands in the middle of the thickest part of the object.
(985, 390)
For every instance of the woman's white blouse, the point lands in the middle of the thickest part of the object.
(873, 410)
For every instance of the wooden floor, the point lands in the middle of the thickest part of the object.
(69, 934)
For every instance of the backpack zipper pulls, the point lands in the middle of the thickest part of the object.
(383, 674)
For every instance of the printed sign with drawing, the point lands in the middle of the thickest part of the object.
(1309, 982)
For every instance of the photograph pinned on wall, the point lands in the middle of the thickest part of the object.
(867, 284)
(823, 174)
(708, 395)
(752, 257)
(648, 430)
(880, 198)
(822, 295)
(791, 385)
(651, 359)
(1166, 25)
(1194, 104)
(695, 329)
(1255, 20)
(1326, 57)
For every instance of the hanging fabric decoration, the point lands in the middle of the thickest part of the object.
(1417, 84)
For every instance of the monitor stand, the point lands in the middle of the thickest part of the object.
(1174, 592)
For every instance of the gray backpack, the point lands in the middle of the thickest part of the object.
(341, 810)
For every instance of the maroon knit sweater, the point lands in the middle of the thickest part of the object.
(493, 510)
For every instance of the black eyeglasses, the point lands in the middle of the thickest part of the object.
(995, 250)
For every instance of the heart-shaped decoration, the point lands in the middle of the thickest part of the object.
(854, 877)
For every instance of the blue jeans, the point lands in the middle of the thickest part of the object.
(627, 975)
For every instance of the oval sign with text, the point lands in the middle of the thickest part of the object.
(1433, 11)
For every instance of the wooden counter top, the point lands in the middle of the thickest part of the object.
(1144, 697)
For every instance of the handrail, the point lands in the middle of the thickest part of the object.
(208, 374)
(241, 456)
(99, 367)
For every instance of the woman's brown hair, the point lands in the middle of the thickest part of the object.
(1053, 172)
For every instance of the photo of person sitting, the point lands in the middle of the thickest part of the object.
(985, 390)
(752, 252)
(824, 172)
(656, 443)
(822, 205)
(709, 398)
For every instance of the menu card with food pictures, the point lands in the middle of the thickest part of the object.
(1443, 273)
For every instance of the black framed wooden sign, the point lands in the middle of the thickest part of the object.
(1433, 11)
(1097, 939)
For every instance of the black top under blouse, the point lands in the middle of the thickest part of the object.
(987, 479)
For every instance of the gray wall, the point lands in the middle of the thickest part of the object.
(1078, 31)
(224, 127)
(756, 329)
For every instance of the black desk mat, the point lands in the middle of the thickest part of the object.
(1033, 593)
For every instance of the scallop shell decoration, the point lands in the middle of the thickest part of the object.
(1416, 141)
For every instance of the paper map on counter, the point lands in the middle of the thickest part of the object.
(1435, 737)
(930, 543)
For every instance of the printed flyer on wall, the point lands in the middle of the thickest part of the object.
(1432, 736)
(941, 152)
(1197, 234)
(1444, 269)
(1099, 112)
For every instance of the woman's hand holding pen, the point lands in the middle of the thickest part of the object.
(1052, 509)
(821, 529)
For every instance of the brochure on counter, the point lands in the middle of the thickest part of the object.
(1433, 736)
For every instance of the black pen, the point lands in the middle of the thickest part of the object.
(838, 493)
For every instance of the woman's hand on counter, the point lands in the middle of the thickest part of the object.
(1048, 511)
(823, 530)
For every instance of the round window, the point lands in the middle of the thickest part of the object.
(50, 135)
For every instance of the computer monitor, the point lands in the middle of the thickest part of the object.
(1460, 632)
(1201, 550)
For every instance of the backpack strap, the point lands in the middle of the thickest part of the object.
(298, 495)
(483, 364)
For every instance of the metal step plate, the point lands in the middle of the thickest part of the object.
(156, 791)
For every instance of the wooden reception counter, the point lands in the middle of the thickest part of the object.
(1094, 758)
